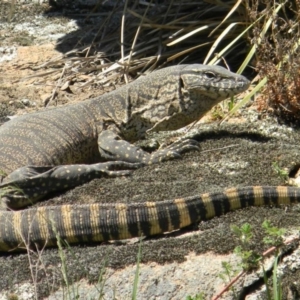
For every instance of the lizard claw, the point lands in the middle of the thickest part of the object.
(184, 146)
(173, 151)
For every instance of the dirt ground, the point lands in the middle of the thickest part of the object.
(240, 152)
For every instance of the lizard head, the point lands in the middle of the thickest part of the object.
(173, 97)
(200, 88)
(211, 82)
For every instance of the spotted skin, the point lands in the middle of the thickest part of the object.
(112, 148)
(29, 183)
(98, 222)
(39, 152)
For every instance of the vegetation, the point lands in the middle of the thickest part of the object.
(273, 237)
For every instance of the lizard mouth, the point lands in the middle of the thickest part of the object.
(239, 85)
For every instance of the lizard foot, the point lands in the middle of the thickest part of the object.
(116, 168)
(173, 151)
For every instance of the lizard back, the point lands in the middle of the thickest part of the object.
(50, 137)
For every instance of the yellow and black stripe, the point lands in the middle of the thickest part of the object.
(103, 222)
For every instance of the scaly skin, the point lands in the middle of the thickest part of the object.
(102, 222)
(57, 149)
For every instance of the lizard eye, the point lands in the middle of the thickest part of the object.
(210, 75)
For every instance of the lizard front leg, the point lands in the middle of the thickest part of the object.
(112, 147)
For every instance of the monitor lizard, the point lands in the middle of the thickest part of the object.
(57, 149)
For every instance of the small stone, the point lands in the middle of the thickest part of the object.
(65, 85)
(26, 102)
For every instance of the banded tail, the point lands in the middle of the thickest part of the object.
(103, 222)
